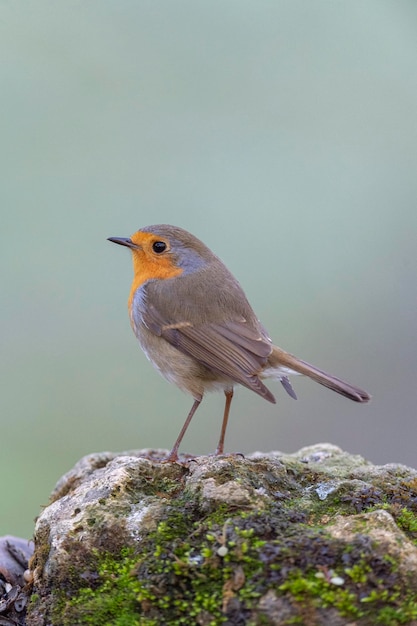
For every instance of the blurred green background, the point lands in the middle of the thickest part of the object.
(283, 134)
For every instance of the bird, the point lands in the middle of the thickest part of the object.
(196, 326)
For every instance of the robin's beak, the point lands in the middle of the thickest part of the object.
(123, 241)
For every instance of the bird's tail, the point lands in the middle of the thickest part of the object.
(288, 363)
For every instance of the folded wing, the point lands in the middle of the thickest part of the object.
(233, 348)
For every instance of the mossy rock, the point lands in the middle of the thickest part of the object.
(319, 537)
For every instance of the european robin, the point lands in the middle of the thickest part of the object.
(196, 326)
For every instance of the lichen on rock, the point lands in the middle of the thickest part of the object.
(319, 537)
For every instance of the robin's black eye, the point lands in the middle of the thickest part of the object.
(159, 246)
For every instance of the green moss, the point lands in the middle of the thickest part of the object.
(115, 601)
(358, 573)
(381, 606)
(407, 521)
(189, 571)
(204, 571)
(319, 592)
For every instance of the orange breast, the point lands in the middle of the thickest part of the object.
(147, 267)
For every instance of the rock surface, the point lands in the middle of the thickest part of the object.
(318, 537)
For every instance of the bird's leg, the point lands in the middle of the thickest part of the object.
(173, 455)
(220, 445)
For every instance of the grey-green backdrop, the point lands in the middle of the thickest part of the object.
(282, 133)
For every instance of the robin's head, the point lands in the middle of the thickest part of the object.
(162, 251)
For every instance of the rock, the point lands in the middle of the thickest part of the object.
(319, 537)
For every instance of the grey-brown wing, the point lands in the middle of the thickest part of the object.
(232, 348)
